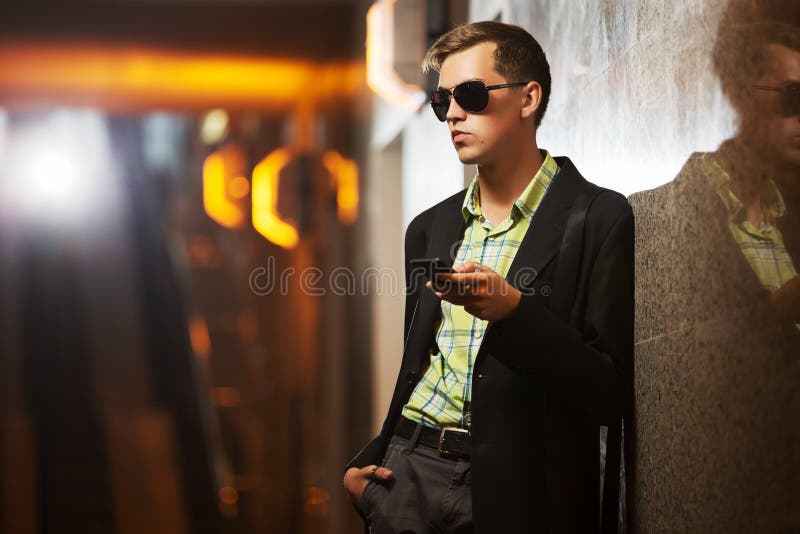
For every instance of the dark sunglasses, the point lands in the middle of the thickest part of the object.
(789, 94)
(471, 96)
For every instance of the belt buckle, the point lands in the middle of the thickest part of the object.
(446, 452)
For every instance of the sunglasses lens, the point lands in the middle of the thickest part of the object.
(791, 100)
(440, 102)
(471, 96)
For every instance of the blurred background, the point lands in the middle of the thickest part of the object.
(202, 209)
(154, 154)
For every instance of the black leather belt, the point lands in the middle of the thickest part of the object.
(450, 442)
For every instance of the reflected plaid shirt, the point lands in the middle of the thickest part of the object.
(442, 397)
(763, 246)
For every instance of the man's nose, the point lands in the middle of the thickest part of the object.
(454, 111)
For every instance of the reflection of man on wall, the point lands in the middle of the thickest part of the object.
(756, 173)
(717, 302)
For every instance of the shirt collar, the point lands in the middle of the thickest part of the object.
(771, 198)
(526, 204)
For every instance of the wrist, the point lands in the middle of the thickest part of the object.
(515, 298)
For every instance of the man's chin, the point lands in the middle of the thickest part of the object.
(467, 158)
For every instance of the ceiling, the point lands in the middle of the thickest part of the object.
(316, 30)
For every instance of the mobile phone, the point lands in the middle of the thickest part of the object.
(432, 267)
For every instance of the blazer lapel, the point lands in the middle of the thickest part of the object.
(543, 238)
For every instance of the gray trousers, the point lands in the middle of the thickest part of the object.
(428, 493)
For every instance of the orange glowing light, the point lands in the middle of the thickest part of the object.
(227, 397)
(202, 252)
(222, 186)
(238, 187)
(344, 175)
(316, 501)
(133, 77)
(266, 220)
(381, 76)
(229, 501)
(228, 495)
(198, 336)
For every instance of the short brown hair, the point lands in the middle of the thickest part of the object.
(518, 58)
(744, 30)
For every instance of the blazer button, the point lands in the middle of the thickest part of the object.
(411, 377)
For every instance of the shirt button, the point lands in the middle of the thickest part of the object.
(477, 334)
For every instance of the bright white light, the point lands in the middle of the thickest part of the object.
(3, 132)
(52, 176)
(214, 126)
(57, 169)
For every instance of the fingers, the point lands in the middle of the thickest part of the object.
(467, 277)
(471, 267)
(375, 472)
(459, 284)
(383, 473)
(357, 479)
(466, 267)
(457, 294)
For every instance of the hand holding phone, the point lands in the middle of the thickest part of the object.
(432, 267)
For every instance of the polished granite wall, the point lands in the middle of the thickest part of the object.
(635, 94)
(716, 375)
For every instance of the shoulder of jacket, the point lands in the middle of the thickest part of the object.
(610, 203)
(607, 204)
(425, 219)
(608, 209)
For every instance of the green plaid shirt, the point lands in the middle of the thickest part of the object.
(763, 245)
(442, 396)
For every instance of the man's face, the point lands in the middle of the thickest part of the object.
(482, 137)
(763, 122)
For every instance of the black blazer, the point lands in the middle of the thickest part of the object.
(542, 387)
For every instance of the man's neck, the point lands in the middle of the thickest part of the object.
(503, 182)
(747, 169)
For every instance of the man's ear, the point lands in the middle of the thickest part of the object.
(531, 99)
(740, 98)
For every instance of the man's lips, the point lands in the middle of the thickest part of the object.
(458, 135)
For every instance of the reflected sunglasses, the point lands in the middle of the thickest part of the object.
(471, 96)
(789, 94)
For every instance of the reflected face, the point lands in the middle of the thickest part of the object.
(481, 137)
(764, 122)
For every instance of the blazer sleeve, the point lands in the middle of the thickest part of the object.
(591, 369)
(415, 247)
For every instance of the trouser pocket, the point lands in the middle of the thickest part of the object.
(377, 490)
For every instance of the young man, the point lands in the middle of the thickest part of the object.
(508, 371)
(756, 173)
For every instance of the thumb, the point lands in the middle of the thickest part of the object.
(377, 473)
(466, 267)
